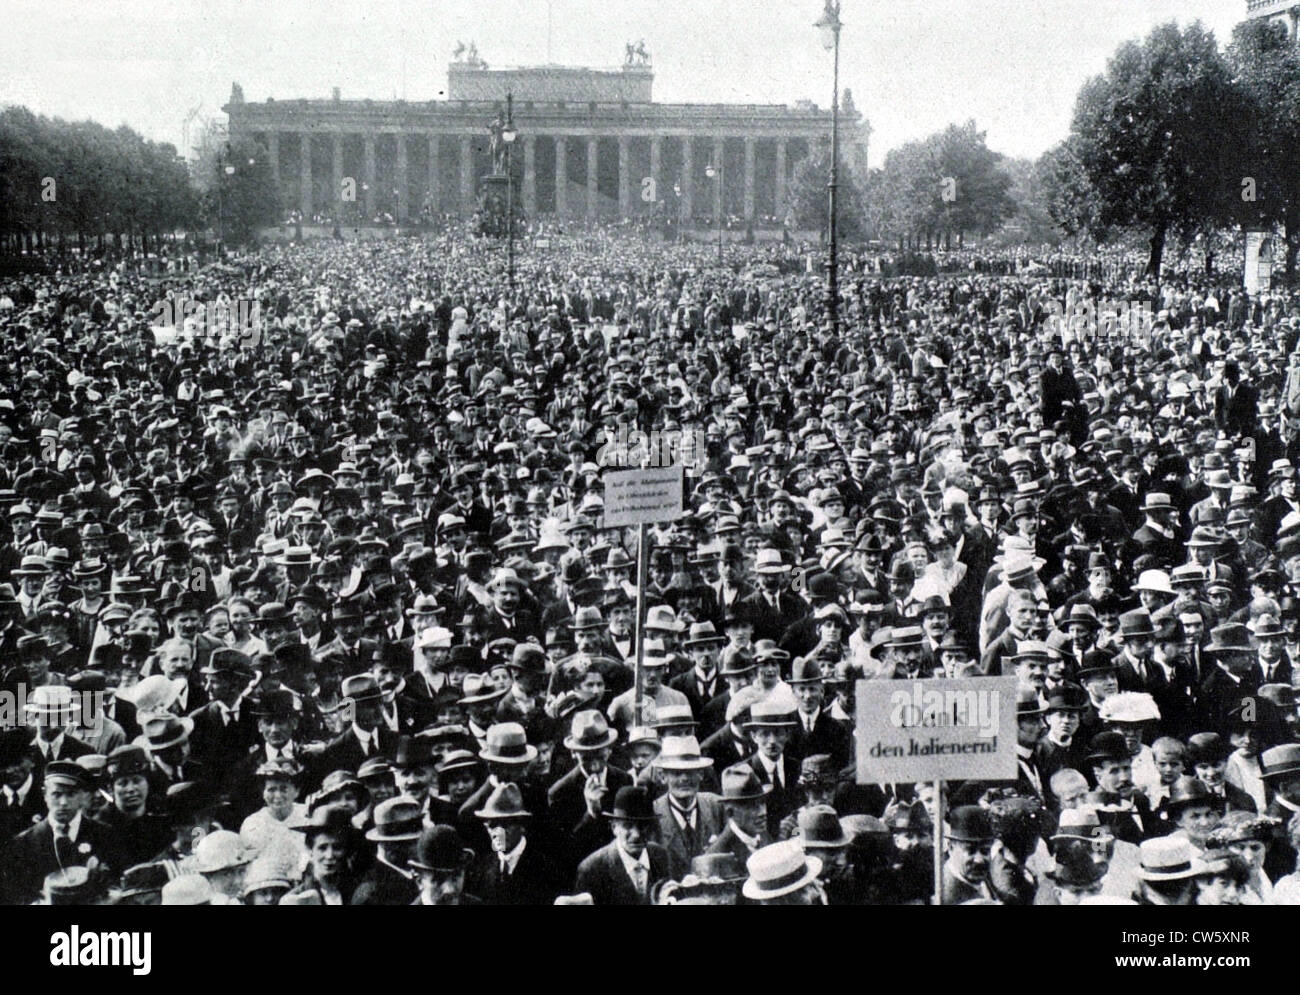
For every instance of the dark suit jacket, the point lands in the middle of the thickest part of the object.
(566, 801)
(214, 742)
(384, 885)
(729, 842)
(70, 749)
(31, 855)
(828, 736)
(603, 876)
(688, 684)
(780, 801)
(771, 623)
(535, 880)
(709, 823)
(345, 752)
(1238, 415)
(725, 750)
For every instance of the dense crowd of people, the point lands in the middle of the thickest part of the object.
(312, 602)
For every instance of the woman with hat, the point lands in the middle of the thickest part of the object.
(1247, 837)
(281, 812)
(1219, 877)
(332, 848)
(1192, 810)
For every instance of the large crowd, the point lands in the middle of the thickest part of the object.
(312, 602)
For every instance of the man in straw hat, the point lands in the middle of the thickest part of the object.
(689, 819)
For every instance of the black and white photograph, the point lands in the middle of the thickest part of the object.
(828, 452)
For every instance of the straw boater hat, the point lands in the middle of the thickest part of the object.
(779, 869)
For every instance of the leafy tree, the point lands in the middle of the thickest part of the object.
(1155, 142)
(234, 177)
(1266, 63)
(810, 196)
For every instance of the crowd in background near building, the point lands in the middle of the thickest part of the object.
(340, 588)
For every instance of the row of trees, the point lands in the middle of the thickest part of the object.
(1181, 138)
(80, 181)
(933, 191)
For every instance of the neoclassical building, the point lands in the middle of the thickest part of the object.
(591, 143)
(1283, 11)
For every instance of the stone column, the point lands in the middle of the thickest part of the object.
(304, 175)
(402, 191)
(561, 177)
(593, 163)
(369, 180)
(433, 172)
(719, 179)
(336, 175)
(466, 174)
(624, 183)
(749, 179)
(273, 149)
(530, 175)
(778, 199)
(656, 154)
(688, 174)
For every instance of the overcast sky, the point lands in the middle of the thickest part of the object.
(913, 65)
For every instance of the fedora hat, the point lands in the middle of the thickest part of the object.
(670, 716)
(586, 618)
(1190, 790)
(819, 828)
(477, 688)
(769, 561)
(507, 743)
(682, 753)
(1231, 637)
(165, 731)
(703, 634)
(717, 868)
(589, 731)
(506, 802)
(741, 784)
(779, 869)
(1135, 624)
(806, 670)
(441, 850)
(769, 714)
(396, 819)
(632, 803)
(1281, 761)
(361, 688)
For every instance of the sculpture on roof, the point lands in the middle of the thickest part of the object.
(636, 54)
(468, 55)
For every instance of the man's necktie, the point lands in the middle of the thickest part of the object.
(64, 850)
(505, 867)
(640, 878)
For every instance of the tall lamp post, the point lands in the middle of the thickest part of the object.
(829, 26)
(718, 172)
(508, 135)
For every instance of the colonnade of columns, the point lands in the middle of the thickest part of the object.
(441, 195)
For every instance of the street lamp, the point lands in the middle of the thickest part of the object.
(829, 26)
(718, 172)
(508, 135)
